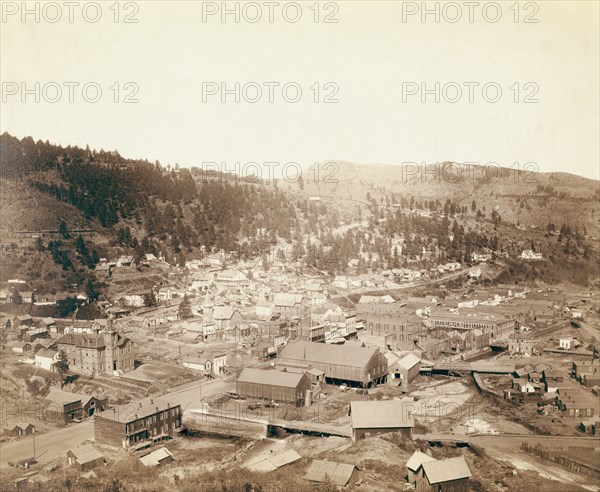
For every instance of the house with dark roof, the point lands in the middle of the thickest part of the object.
(354, 365)
(273, 385)
(370, 418)
(449, 475)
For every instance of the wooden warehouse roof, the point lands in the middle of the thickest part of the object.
(270, 378)
(328, 353)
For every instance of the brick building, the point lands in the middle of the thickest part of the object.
(106, 353)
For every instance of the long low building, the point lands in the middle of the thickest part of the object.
(273, 385)
(496, 326)
(357, 366)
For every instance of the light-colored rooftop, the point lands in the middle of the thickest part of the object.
(387, 414)
(446, 470)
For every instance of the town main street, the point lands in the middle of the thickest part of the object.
(48, 446)
(55, 444)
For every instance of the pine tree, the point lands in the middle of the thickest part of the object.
(61, 366)
(64, 230)
(185, 308)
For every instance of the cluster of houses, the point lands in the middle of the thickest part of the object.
(91, 347)
(569, 398)
(18, 292)
(390, 277)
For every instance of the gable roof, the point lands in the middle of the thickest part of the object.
(86, 453)
(20, 425)
(322, 470)
(275, 461)
(417, 459)
(446, 470)
(155, 457)
(46, 353)
(287, 300)
(270, 378)
(59, 396)
(344, 355)
(380, 414)
(224, 312)
(410, 361)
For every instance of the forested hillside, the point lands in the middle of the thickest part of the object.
(150, 207)
(142, 207)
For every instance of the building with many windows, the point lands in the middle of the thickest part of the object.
(106, 353)
(145, 423)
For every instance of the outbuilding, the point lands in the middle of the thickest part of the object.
(449, 475)
(414, 466)
(85, 458)
(341, 474)
(371, 418)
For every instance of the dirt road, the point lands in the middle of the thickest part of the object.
(48, 446)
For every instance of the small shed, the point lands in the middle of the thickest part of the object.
(19, 429)
(85, 458)
(414, 465)
(341, 474)
(451, 474)
(159, 457)
(379, 417)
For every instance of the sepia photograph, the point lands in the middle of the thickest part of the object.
(300, 246)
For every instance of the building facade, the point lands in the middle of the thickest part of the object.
(106, 353)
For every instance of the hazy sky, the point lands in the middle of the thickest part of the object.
(366, 56)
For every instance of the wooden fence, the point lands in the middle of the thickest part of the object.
(555, 455)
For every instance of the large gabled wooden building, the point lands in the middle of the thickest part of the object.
(273, 385)
(356, 366)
